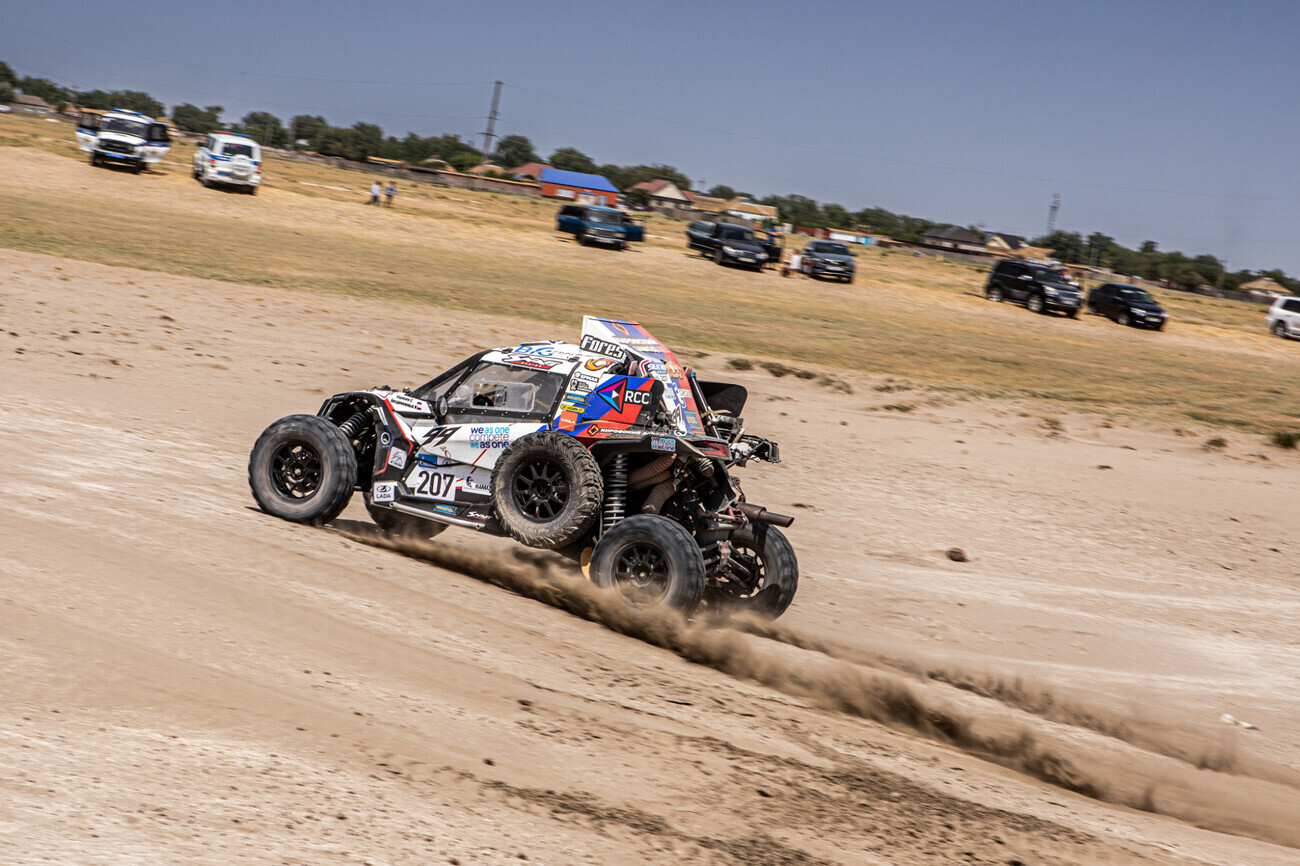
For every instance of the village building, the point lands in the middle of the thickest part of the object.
(663, 193)
(578, 187)
(1265, 287)
(748, 210)
(705, 204)
(954, 239)
(31, 104)
(1003, 244)
(529, 171)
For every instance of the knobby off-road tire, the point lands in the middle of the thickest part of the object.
(397, 524)
(651, 562)
(767, 551)
(547, 490)
(302, 469)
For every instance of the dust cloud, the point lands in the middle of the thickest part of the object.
(1020, 728)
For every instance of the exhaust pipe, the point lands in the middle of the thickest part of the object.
(759, 514)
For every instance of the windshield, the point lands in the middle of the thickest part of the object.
(1134, 294)
(1047, 275)
(744, 235)
(837, 249)
(126, 127)
(232, 149)
(604, 217)
(506, 389)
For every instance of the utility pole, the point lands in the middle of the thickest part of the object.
(490, 132)
(1051, 213)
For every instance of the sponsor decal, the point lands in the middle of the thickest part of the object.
(544, 351)
(619, 396)
(396, 458)
(692, 420)
(598, 364)
(579, 385)
(489, 437)
(437, 436)
(385, 491)
(432, 460)
(621, 328)
(445, 509)
(533, 363)
(567, 421)
(569, 408)
(602, 347)
(472, 484)
(476, 514)
(663, 443)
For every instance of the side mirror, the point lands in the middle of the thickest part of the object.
(440, 407)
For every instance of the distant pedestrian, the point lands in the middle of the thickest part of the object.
(796, 261)
(375, 190)
(389, 192)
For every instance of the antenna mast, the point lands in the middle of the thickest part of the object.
(490, 133)
(1051, 213)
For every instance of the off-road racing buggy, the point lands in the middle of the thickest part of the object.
(607, 451)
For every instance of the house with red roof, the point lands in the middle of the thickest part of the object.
(663, 193)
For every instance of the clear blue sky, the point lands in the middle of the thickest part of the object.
(1169, 121)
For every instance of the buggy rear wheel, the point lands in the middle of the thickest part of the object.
(302, 469)
(652, 562)
(765, 572)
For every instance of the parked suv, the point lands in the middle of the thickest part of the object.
(229, 158)
(727, 243)
(1284, 317)
(1040, 288)
(590, 224)
(828, 259)
(1127, 305)
(121, 137)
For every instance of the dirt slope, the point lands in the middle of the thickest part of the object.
(188, 680)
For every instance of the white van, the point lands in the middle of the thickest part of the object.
(229, 158)
(121, 136)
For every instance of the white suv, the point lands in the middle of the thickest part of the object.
(229, 158)
(1284, 317)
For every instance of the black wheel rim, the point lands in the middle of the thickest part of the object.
(748, 568)
(642, 574)
(296, 470)
(541, 490)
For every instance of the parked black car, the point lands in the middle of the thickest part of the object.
(828, 259)
(1127, 305)
(1039, 287)
(727, 243)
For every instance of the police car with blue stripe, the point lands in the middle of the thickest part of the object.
(230, 159)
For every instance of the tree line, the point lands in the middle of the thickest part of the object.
(362, 140)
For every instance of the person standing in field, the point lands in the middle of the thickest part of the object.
(375, 189)
(389, 193)
(796, 261)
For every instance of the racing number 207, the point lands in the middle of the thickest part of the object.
(432, 485)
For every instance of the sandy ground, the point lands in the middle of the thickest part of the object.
(188, 680)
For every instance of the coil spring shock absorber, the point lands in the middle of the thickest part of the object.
(615, 493)
(353, 426)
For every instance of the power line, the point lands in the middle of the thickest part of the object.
(212, 95)
(188, 65)
(894, 161)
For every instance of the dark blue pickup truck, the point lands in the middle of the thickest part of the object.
(591, 224)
